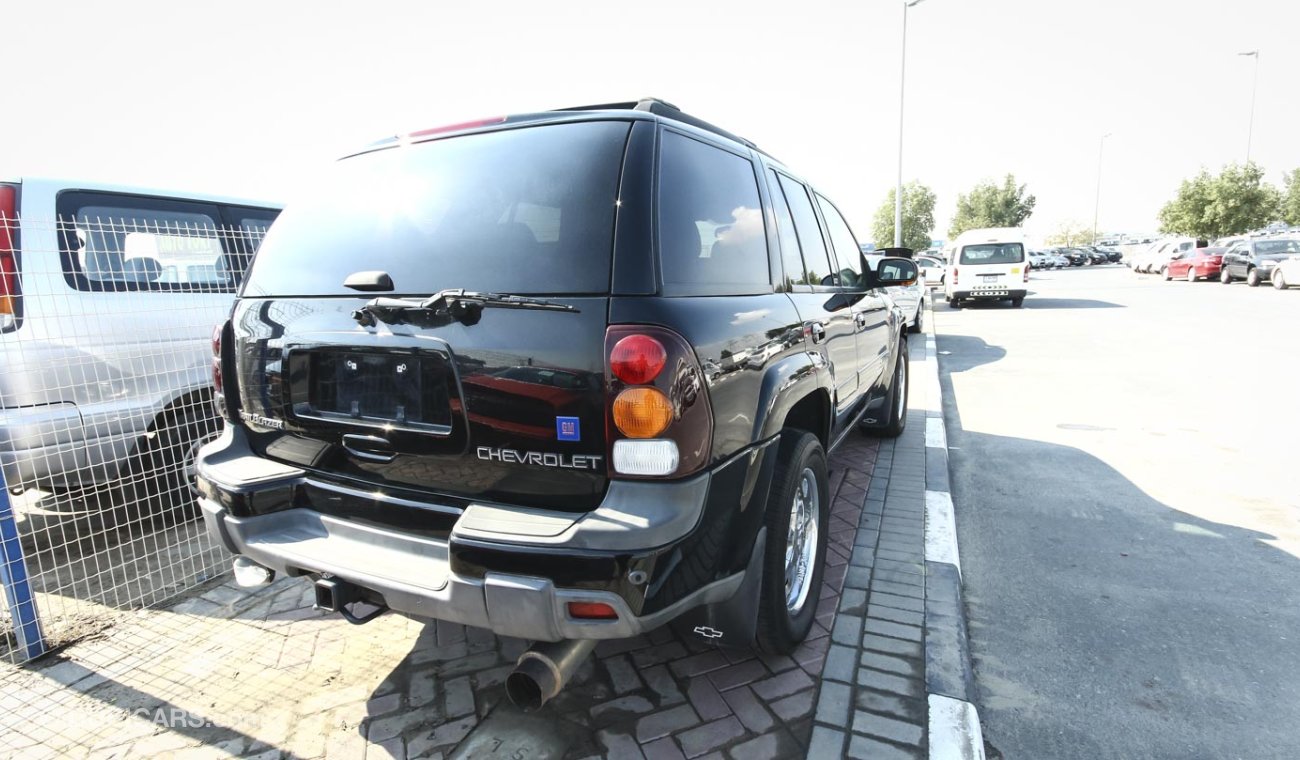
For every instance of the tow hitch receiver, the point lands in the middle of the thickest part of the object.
(336, 595)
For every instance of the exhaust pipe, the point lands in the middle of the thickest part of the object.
(544, 670)
(249, 574)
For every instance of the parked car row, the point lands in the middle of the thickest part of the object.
(1274, 260)
(1060, 258)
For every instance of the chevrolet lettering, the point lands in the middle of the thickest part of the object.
(541, 459)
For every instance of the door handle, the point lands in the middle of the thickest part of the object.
(818, 332)
(369, 447)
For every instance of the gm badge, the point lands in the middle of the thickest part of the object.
(568, 429)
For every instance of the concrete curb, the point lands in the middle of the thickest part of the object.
(953, 722)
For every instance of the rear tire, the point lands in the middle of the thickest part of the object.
(1279, 281)
(1191, 274)
(1224, 277)
(798, 519)
(1252, 278)
(161, 477)
(896, 399)
(916, 323)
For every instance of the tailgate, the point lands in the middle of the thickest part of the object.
(510, 409)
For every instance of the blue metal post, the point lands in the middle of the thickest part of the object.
(13, 577)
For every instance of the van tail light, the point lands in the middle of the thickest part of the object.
(8, 256)
(954, 275)
(1026, 274)
(658, 421)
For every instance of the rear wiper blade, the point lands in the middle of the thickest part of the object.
(464, 306)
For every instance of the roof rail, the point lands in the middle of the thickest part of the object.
(668, 111)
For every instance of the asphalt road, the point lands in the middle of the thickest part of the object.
(1126, 475)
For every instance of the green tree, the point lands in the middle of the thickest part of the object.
(1291, 202)
(1071, 233)
(918, 218)
(1237, 200)
(991, 205)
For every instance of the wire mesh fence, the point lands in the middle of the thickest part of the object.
(106, 320)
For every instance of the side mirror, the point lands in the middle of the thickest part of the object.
(896, 271)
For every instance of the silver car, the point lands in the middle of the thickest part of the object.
(107, 305)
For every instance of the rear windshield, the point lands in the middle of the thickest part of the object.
(516, 211)
(993, 253)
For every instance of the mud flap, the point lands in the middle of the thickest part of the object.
(734, 622)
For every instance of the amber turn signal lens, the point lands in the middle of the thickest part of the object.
(642, 412)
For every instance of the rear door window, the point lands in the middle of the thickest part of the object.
(526, 211)
(791, 256)
(847, 253)
(711, 235)
(815, 257)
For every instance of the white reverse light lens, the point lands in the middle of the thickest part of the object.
(645, 457)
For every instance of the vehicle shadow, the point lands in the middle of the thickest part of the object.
(963, 352)
(1093, 604)
(1035, 302)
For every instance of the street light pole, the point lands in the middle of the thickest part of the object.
(1096, 207)
(902, 80)
(1254, 87)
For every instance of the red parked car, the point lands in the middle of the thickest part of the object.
(1196, 264)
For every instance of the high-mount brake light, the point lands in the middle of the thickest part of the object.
(637, 359)
(458, 127)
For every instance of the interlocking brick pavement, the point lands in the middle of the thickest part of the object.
(233, 673)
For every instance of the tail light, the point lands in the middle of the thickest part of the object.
(218, 380)
(1026, 274)
(659, 422)
(8, 257)
(954, 275)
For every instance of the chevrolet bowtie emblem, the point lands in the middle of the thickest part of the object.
(707, 632)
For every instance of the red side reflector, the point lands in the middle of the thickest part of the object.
(592, 611)
(458, 127)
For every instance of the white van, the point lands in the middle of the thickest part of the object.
(108, 298)
(987, 264)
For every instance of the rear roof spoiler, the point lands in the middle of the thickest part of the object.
(668, 111)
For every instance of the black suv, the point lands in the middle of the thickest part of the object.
(567, 376)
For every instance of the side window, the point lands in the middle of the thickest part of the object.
(710, 218)
(846, 246)
(244, 230)
(818, 268)
(791, 258)
(113, 242)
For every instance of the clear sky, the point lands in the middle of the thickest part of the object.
(253, 98)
